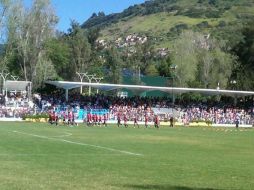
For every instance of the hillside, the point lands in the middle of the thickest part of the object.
(163, 20)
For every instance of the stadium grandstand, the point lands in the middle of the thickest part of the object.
(17, 104)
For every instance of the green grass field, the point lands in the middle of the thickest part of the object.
(39, 156)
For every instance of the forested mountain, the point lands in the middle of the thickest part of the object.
(189, 8)
(228, 22)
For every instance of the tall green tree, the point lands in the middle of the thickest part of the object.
(243, 73)
(58, 52)
(80, 48)
(29, 30)
(202, 61)
(113, 63)
(185, 57)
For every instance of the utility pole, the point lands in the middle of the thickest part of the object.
(90, 78)
(233, 83)
(173, 68)
(4, 76)
(15, 78)
(97, 79)
(81, 77)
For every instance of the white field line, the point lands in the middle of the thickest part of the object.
(82, 144)
(66, 135)
(50, 154)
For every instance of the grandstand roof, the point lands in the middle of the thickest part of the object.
(105, 86)
(16, 85)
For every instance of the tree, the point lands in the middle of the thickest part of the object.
(29, 30)
(80, 48)
(164, 67)
(58, 52)
(113, 65)
(4, 51)
(202, 61)
(184, 56)
(243, 72)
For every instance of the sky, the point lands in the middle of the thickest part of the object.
(81, 10)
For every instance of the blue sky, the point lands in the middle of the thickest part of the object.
(81, 10)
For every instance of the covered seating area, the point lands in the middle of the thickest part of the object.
(66, 85)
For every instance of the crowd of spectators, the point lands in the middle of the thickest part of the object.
(216, 115)
(131, 107)
(15, 105)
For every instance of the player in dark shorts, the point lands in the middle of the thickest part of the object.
(136, 121)
(99, 120)
(104, 120)
(125, 121)
(237, 123)
(171, 121)
(118, 120)
(146, 121)
(50, 114)
(56, 118)
(53, 118)
(70, 118)
(156, 122)
(65, 117)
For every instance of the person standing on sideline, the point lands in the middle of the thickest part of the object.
(171, 120)
(237, 123)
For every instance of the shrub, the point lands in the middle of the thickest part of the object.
(37, 116)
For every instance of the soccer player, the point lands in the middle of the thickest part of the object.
(156, 122)
(146, 121)
(99, 120)
(237, 123)
(50, 117)
(118, 120)
(105, 120)
(65, 118)
(55, 118)
(70, 117)
(125, 121)
(136, 121)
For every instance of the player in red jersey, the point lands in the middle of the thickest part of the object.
(105, 120)
(96, 119)
(69, 117)
(118, 120)
(99, 119)
(50, 117)
(136, 121)
(125, 121)
(146, 121)
(65, 117)
(90, 119)
(156, 122)
(55, 117)
(87, 119)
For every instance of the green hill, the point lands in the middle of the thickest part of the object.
(162, 20)
(227, 25)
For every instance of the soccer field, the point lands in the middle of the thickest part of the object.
(39, 156)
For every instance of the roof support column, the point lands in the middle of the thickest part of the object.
(66, 95)
(235, 100)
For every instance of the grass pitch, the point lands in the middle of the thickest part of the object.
(39, 156)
